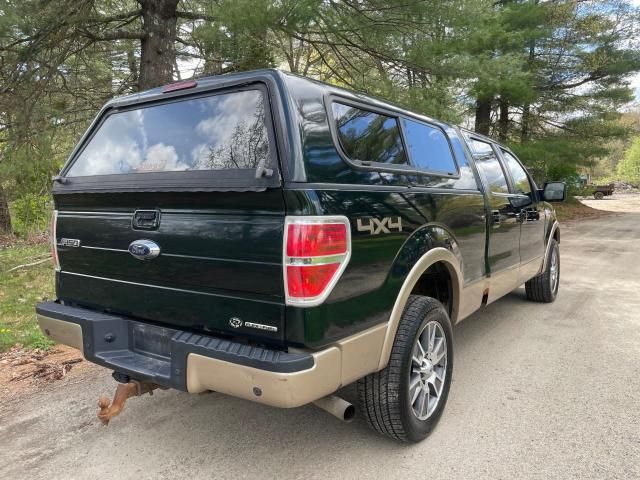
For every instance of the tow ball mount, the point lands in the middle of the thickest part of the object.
(134, 388)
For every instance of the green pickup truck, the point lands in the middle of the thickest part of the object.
(275, 238)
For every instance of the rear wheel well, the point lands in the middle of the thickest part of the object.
(436, 283)
(556, 235)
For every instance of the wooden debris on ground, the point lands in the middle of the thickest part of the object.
(38, 364)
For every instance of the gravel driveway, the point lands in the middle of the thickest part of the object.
(538, 391)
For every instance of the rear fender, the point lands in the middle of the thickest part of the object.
(427, 246)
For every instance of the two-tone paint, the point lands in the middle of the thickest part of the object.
(221, 248)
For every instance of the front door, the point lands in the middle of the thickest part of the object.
(503, 254)
(531, 215)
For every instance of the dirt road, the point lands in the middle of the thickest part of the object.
(618, 202)
(538, 391)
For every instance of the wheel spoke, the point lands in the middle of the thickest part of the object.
(422, 402)
(415, 380)
(434, 383)
(416, 360)
(415, 394)
(439, 352)
(425, 406)
(432, 337)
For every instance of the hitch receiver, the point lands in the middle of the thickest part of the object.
(124, 391)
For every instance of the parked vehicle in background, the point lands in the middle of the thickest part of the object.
(601, 191)
(274, 238)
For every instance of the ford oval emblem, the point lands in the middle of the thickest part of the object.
(144, 249)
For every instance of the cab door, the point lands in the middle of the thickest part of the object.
(503, 249)
(531, 216)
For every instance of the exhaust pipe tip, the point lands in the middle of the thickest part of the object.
(349, 413)
(338, 407)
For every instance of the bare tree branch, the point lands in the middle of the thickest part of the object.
(115, 35)
(195, 16)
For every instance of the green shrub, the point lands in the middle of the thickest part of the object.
(30, 214)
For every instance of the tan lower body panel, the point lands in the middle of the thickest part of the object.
(530, 269)
(285, 390)
(471, 298)
(502, 282)
(60, 331)
(340, 364)
(361, 353)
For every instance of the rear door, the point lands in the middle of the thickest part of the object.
(195, 178)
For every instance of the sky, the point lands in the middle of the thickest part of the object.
(635, 82)
(636, 86)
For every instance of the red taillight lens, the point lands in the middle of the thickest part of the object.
(316, 252)
(309, 281)
(54, 240)
(316, 240)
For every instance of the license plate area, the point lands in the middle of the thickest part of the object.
(151, 340)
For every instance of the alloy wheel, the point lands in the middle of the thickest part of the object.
(428, 370)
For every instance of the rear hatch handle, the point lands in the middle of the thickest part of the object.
(146, 220)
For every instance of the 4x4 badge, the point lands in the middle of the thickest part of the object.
(383, 225)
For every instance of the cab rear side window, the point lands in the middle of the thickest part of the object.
(217, 132)
(368, 136)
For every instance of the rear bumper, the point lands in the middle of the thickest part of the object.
(192, 362)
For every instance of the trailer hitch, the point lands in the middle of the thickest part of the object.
(134, 388)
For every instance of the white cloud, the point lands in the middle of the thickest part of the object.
(101, 159)
(230, 110)
(200, 154)
(161, 158)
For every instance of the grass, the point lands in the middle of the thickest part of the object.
(20, 290)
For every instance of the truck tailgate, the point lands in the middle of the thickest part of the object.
(220, 259)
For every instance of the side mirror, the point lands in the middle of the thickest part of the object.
(554, 192)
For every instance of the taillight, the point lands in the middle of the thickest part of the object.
(54, 241)
(316, 252)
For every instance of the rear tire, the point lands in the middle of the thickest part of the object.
(598, 195)
(405, 400)
(544, 287)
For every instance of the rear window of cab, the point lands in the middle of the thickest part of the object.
(369, 136)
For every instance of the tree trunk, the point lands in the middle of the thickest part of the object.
(526, 109)
(504, 120)
(133, 65)
(159, 18)
(526, 119)
(5, 218)
(483, 116)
